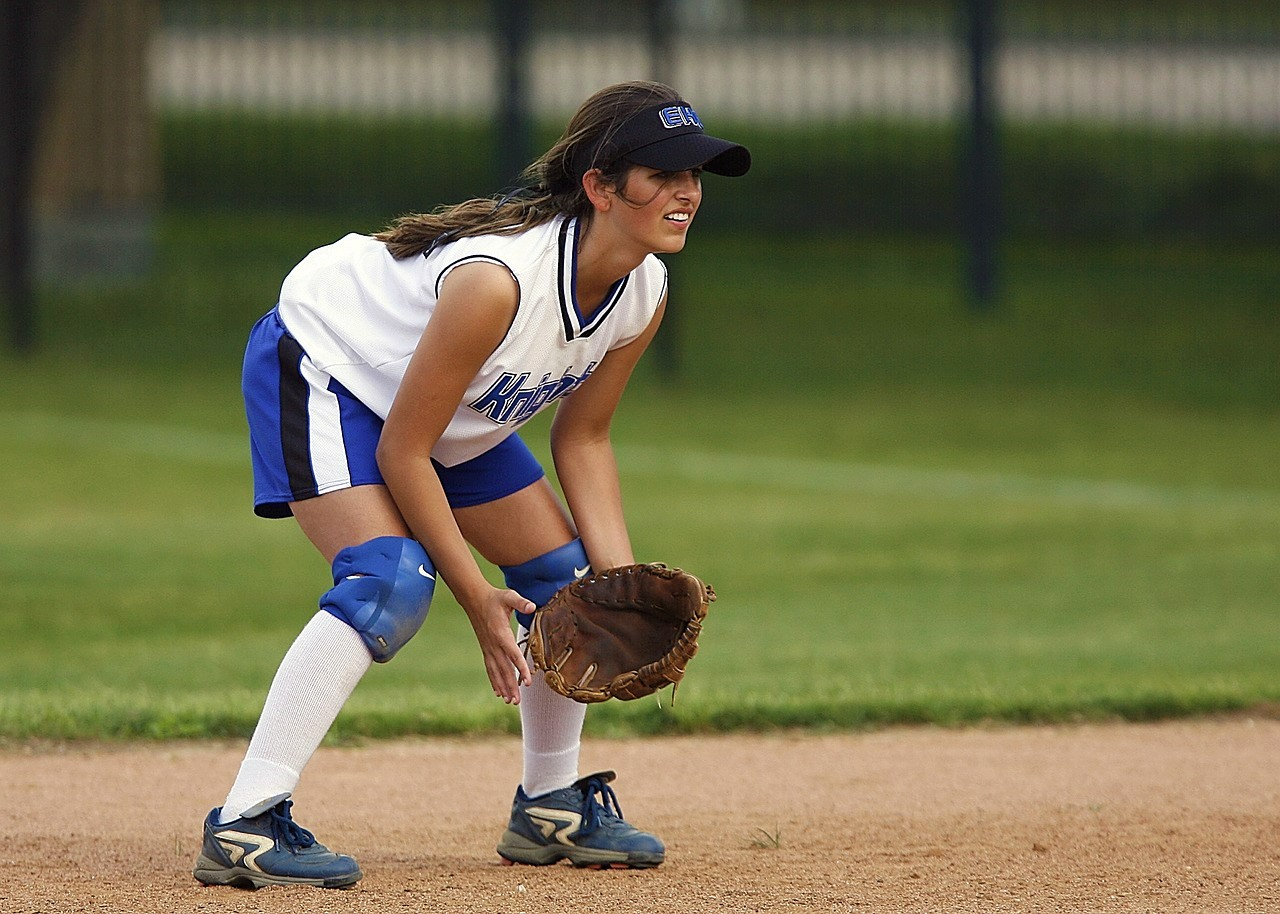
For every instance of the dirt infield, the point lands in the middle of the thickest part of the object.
(1175, 817)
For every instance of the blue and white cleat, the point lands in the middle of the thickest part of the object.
(571, 824)
(269, 849)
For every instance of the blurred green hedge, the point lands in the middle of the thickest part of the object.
(1059, 181)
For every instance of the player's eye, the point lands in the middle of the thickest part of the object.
(668, 175)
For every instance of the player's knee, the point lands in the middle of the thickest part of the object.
(382, 589)
(538, 579)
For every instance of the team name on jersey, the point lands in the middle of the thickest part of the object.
(512, 399)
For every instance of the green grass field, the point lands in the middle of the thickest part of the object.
(1067, 508)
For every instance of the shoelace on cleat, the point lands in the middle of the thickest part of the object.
(293, 834)
(596, 810)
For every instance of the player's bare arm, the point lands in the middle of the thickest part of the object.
(476, 306)
(583, 453)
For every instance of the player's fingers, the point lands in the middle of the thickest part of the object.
(521, 665)
(516, 603)
(503, 679)
(516, 665)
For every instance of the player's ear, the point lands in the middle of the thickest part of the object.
(599, 189)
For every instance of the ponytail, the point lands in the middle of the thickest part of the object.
(554, 181)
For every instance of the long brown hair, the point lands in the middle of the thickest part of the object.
(555, 178)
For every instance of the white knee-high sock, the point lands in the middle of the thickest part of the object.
(314, 681)
(552, 728)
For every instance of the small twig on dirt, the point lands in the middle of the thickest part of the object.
(765, 840)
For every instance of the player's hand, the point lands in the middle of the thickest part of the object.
(503, 659)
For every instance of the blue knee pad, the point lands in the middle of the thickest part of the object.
(383, 590)
(537, 580)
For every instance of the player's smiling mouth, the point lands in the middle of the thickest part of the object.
(681, 217)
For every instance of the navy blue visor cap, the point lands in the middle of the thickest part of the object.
(667, 137)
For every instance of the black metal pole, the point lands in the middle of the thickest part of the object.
(513, 28)
(17, 114)
(980, 181)
(661, 34)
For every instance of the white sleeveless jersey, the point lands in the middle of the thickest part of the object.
(358, 313)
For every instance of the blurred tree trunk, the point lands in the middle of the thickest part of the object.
(95, 177)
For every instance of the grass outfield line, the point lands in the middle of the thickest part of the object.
(719, 468)
(837, 478)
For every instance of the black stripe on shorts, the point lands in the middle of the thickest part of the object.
(295, 420)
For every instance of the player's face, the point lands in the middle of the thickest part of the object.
(660, 206)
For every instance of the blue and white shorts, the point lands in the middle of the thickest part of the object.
(310, 435)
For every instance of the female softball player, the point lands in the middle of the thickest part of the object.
(384, 393)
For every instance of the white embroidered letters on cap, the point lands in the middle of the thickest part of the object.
(679, 116)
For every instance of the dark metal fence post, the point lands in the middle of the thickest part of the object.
(661, 32)
(980, 181)
(513, 27)
(17, 114)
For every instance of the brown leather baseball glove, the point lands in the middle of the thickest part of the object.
(622, 633)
